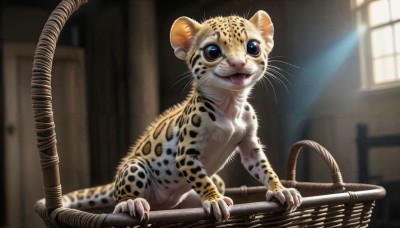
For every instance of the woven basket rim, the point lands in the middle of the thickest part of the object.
(367, 193)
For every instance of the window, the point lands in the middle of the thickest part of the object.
(379, 22)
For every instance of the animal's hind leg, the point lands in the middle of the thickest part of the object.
(130, 186)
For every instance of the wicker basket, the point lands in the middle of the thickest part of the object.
(329, 205)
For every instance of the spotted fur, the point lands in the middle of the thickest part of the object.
(175, 159)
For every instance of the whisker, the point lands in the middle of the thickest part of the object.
(263, 84)
(279, 69)
(279, 61)
(248, 13)
(273, 89)
(278, 81)
(183, 76)
(204, 79)
(279, 74)
(187, 87)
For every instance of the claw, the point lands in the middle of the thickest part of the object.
(220, 208)
(290, 196)
(138, 207)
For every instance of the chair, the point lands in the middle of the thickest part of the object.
(388, 209)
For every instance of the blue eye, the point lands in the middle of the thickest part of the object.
(253, 48)
(211, 52)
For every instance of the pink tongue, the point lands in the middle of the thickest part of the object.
(237, 78)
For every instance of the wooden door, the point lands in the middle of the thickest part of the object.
(23, 176)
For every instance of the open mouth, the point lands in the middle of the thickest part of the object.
(237, 78)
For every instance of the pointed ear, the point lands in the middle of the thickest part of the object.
(182, 34)
(263, 22)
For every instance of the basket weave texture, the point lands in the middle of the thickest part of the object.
(325, 204)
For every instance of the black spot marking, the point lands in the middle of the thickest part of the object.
(195, 60)
(209, 106)
(104, 200)
(212, 117)
(128, 188)
(193, 152)
(170, 131)
(131, 178)
(169, 151)
(141, 175)
(158, 129)
(196, 120)
(158, 149)
(147, 148)
(191, 57)
(133, 169)
(190, 163)
(195, 170)
(139, 184)
(91, 203)
(168, 172)
(193, 134)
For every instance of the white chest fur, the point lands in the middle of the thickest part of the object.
(220, 141)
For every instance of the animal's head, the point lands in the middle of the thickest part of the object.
(224, 52)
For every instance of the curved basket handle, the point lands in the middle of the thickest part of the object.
(41, 100)
(338, 185)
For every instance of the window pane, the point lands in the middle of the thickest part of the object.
(397, 36)
(395, 9)
(382, 41)
(378, 12)
(384, 70)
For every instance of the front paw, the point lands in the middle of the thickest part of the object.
(290, 196)
(220, 207)
(138, 207)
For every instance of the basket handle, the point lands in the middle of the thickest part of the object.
(41, 100)
(338, 185)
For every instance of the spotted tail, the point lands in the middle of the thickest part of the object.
(90, 198)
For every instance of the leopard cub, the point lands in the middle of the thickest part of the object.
(173, 164)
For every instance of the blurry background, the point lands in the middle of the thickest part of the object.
(114, 71)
